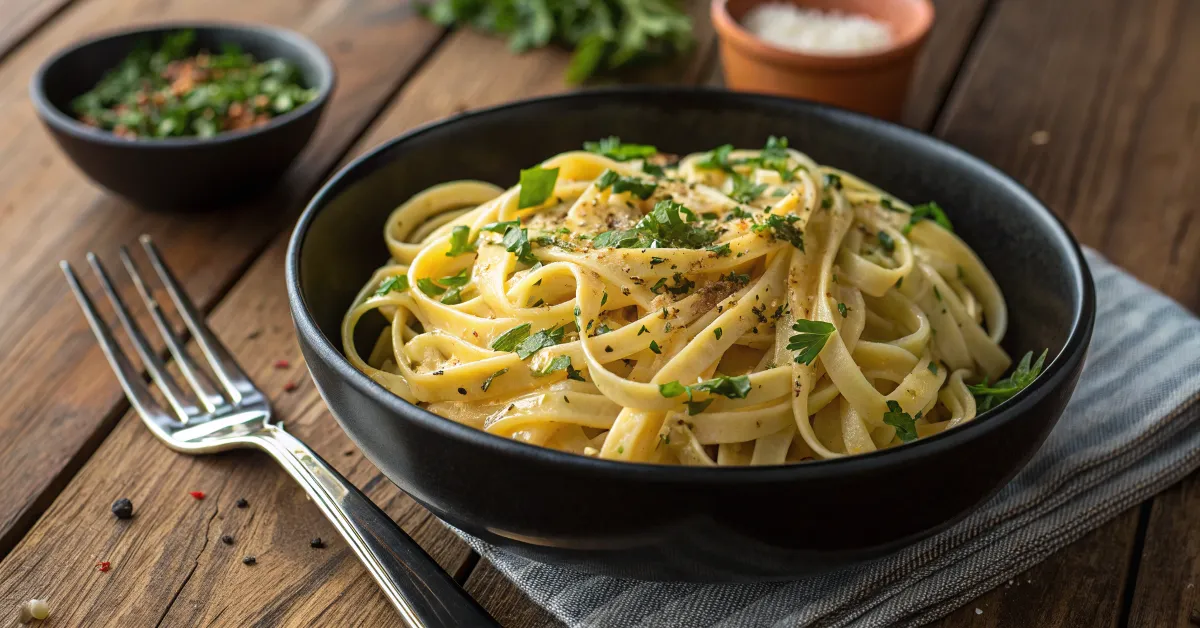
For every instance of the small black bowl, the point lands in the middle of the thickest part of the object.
(691, 523)
(185, 172)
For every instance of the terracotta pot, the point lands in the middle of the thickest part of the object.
(875, 82)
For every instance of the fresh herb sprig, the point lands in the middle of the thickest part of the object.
(670, 226)
(810, 339)
(605, 35)
(988, 397)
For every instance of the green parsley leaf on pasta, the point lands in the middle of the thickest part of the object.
(537, 184)
(546, 338)
(460, 241)
(395, 283)
(428, 287)
(671, 389)
(718, 159)
(453, 296)
(886, 241)
(612, 148)
(988, 397)
(905, 424)
(557, 364)
(731, 387)
(487, 383)
(928, 211)
(782, 228)
(509, 340)
(744, 190)
(459, 279)
(810, 339)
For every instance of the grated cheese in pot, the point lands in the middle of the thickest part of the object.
(810, 30)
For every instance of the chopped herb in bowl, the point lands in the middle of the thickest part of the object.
(172, 91)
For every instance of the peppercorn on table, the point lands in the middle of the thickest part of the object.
(1090, 103)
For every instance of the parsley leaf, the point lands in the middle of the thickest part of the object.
(731, 387)
(500, 227)
(459, 279)
(988, 397)
(811, 339)
(905, 424)
(537, 184)
(669, 225)
(932, 367)
(453, 296)
(612, 148)
(460, 241)
(546, 338)
(397, 283)
(834, 181)
(718, 159)
(886, 241)
(783, 229)
(744, 190)
(516, 241)
(428, 287)
(557, 364)
(721, 250)
(696, 407)
(843, 310)
(928, 211)
(509, 340)
(654, 348)
(671, 389)
(487, 383)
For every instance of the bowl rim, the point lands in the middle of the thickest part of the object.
(52, 115)
(733, 33)
(1057, 372)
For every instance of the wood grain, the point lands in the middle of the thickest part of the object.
(1112, 85)
(22, 17)
(58, 395)
(172, 567)
(1168, 585)
(508, 604)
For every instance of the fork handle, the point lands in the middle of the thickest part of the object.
(423, 593)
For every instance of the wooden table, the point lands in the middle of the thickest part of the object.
(1093, 104)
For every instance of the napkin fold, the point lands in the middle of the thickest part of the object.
(1131, 429)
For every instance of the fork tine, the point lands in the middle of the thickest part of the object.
(235, 381)
(150, 359)
(130, 379)
(209, 398)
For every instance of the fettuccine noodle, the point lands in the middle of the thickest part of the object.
(738, 307)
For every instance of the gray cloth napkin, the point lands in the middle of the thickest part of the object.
(1131, 430)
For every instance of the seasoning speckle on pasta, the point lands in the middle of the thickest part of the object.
(756, 308)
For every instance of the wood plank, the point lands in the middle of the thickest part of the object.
(1110, 84)
(50, 212)
(22, 17)
(508, 604)
(1168, 584)
(175, 567)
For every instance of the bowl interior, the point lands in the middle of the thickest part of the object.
(78, 69)
(1028, 251)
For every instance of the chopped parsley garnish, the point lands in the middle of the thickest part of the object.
(516, 240)
(460, 241)
(557, 364)
(683, 285)
(709, 215)
(928, 211)
(604, 298)
(655, 261)
(779, 192)
(546, 338)
(717, 332)
(509, 340)
(612, 148)
(537, 184)
(395, 283)
(718, 159)
(834, 181)
(453, 296)
(937, 293)
(933, 367)
(487, 383)
(887, 204)
(670, 226)
(643, 330)
(886, 241)
(721, 250)
(640, 188)
(658, 285)
(738, 212)
(654, 170)
(654, 348)
(744, 190)
(500, 227)
(898, 282)
(988, 397)
(905, 424)
(730, 387)
(428, 287)
(783, 229)
(459, 279)
(810, 340)
(843, 310)
(774, 156)
(602, 329)
(736, 278)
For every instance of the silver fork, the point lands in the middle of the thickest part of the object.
(239, 416)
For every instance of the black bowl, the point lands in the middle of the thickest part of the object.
(186, 172)
(690, 523)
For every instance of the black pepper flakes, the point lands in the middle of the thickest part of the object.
(241, 503)
(249, 560)
(462, 391)
(316, 543)
(226, 539)
(123, 508)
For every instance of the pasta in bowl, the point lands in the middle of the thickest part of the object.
(728, 307)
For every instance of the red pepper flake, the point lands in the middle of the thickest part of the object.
(197, 494)
(103, 566)
(289, 387)
(282, 364)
